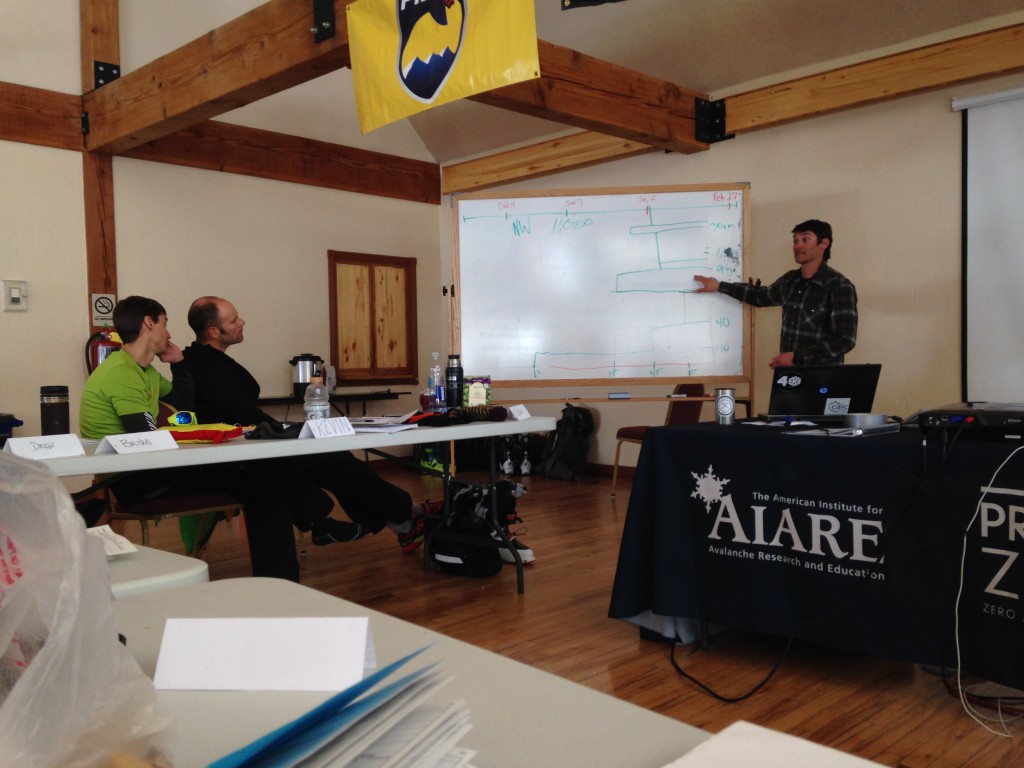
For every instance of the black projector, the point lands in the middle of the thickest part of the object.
(975, 419)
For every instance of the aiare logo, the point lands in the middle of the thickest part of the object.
(431, 36)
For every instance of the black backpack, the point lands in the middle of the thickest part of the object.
(565, 455)
(472, 551)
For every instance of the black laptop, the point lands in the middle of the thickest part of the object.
(822, 393)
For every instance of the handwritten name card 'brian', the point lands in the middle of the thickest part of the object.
(137, 442)
(44, 447)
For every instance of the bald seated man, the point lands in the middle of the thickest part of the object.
(226, 392)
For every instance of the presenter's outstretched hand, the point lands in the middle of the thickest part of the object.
(707, 284)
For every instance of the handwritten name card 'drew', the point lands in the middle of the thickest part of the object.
(44, 447)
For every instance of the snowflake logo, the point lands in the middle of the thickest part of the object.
(708, 488)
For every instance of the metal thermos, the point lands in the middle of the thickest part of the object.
(725, 406)
(453, 379)
(53, 410)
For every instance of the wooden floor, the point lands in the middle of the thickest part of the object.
(890, 712)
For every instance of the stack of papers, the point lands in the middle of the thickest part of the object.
(373, 722)
(382, 423)
(369, 724)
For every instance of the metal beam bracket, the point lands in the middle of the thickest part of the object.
(324, 22)
(710, 121)
(104, 72)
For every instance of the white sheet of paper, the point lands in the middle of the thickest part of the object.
(45, 446)
(744, 744)
(137, 442)
(337, 426)
(113, 543)
(264, 654)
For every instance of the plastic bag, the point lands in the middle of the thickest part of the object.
(70, 693)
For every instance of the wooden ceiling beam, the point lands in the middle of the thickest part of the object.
(37, 116)
(99, 33)
(220, 146)
(584, 92)
(271, 48)
(264, 51)
(984, 55)
(975, 57)
(575, 151)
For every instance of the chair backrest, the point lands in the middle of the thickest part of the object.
(682, 410)
(164, 411)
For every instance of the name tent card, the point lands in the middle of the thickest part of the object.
(339, 426)
(44, 446)
(264, 654)
(518, 412)
(137, 442)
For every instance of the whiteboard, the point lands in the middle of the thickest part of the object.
(573, 285)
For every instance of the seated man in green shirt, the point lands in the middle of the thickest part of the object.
(122, 395)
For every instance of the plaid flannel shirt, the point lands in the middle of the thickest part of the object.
(819, 314)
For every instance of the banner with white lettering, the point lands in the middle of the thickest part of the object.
(855, 544)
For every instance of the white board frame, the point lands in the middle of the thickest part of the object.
(503, 242)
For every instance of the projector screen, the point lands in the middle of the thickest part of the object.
(993, 339)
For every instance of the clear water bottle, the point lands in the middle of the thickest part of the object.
(453, 382)
(436, 381)
(316, 402)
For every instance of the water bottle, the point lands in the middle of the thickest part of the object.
(436, 382)
(453, 382)
(316, 402)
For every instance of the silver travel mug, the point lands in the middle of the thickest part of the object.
(725, 406)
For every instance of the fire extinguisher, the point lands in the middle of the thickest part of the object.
(99, 346)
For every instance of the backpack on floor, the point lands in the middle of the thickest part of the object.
(472, 551)
(565, 455)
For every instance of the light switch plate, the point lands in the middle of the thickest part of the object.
(15, 295)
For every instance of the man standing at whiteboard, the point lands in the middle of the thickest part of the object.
(819, 305)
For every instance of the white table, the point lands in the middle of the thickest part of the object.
(151, 570)
(521, 716)
(188, 454)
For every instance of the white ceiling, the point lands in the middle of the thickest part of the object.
(718, 47)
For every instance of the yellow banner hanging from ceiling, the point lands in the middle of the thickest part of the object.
(410, 55)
